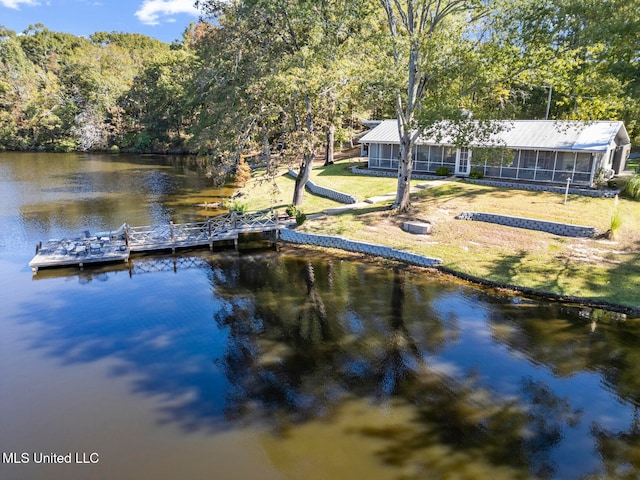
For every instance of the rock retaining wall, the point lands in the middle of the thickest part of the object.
(563, 229)
(293, 236)
(535, 187)
(587, 192)
(392, 174)
(326, 192)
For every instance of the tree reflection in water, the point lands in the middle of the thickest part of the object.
(298, 360)
(620, 451)
(493, 386)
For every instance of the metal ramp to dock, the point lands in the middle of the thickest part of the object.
(116, 246)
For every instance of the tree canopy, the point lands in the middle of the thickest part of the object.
(255, 77)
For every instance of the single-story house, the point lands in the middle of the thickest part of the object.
(527, 150)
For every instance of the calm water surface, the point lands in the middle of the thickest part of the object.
(283, 365)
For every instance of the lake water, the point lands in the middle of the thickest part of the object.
(282, 365)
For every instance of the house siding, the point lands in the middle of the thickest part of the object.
(533, 151)
(531, 165)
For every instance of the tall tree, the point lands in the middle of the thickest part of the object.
(281, 67)
(419, 34)
(566, 61)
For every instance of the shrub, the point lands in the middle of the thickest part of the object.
(142, 142)
(243, 173)
(236, 206)
(291, 211)
(475, 173)
(300, 217)
(443, 171)
(600, 177)
(65, 145)
(616, 222)
(632, 189)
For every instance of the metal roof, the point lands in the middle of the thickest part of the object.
(569, 135)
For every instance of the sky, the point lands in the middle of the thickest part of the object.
(165, 20)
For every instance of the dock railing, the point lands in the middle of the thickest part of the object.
(198, 233)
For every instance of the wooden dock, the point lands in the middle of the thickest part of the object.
(117, 245)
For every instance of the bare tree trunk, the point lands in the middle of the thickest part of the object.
(302, 178)
(267, 153)
(407, 137)
(307, 159)
(411, 23)
(405, 169)
(328, 155)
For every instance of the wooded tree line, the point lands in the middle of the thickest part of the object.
(259, 75)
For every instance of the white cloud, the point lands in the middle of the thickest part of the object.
(151, 10)
(16, 3)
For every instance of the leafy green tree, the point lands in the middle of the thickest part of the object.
(280, 74)
(62, 92)
(427, 43)
(567, 61)
(158, 98)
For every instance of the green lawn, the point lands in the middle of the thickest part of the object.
(339, 177)
(261, 193)
(602, 269)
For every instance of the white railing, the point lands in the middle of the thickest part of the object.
(172, 234)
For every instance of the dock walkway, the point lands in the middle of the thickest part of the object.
(116, 246)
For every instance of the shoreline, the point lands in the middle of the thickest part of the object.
(588, 271)
(633, 312)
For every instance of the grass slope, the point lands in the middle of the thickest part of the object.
(598, 269)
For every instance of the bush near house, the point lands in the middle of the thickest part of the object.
(632, 188)
(476, 174)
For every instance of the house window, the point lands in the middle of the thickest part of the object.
(449, 159)
(421, 158)
(510, 164)
(527, 164)
(435, 158)
(583, 162)
(545, 166)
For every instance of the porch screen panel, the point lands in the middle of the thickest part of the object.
(488, 160)
(395, 153)
(527, 164)
(478, 160)
(564, 166)
(374, 155)
(435, 158)
(584, 163)
(421, 158)
(545, 166)
(386, 153)
(510, 164)
(449, 159)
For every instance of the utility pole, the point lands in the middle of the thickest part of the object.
(550, 87)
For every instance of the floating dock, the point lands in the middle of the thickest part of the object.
(118, 245)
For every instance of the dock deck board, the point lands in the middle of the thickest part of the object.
(118, 245)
